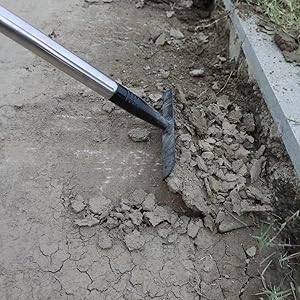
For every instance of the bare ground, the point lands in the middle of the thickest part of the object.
(84, 212)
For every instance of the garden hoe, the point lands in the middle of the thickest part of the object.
(32, 39)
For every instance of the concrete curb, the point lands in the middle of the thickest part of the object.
(279, 81)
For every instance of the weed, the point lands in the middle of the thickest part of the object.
(264, 240)
(285, 13)
(276, 294)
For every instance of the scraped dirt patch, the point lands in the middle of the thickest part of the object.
(84, 212)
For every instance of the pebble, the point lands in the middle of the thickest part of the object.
(174, 184)
(251, 251)
(136, 217)
(170, 13)
(229, 224)
(78, 204)
(207, 155)
(215, 86)
(201, 163)
(161, 40)
(100, 205)
(149, 203)
(139, 135)
(157, 216)
(248, 122)
(197, 72)
(155, 97)
(194, 227)
(175, 33)
(108, 107)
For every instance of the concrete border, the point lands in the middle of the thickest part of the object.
(279, 81)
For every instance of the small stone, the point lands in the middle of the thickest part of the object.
(140, 4)
(186, 137)
(155, 97)
(181, 224)
(100, 205)
(205, 146)
(149, 204)
(236, 202)
(104, 240)
(256, 168)
(88, 221)
(138, 197)
(136, 217)
(91, 1)
(161, 40)
(111, 223)
(209, 223)
(207, 155)
(198, 119)
(134, 241)
(235, 116)
(241, 153)
(215, 86)
(165, 74)
(201, 163)
(230, 177)
(229, 224)
(197, 72)
(214, 184)
(207, 186)
(107, 1)
(177, 34)
(174, 184)
(248, 122)
(140, 92)
(222, 58)
(158, 215)
(78, 204)
(139, 134)
(194, 227)
(260, 151)
(220, 217)
(202, 37)
(251, 251)
(223, 101)
(236, 165)
(108, 107)
(170, 13)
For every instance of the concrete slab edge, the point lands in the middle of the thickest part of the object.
(287, 129)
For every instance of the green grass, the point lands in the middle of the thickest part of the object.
(285, 13)
(264, 240)
(276, 294)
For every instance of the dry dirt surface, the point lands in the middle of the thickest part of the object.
(84, 213)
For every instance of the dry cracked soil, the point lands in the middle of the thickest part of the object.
(84, 212)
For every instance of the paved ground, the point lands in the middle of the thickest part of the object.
(84, 213)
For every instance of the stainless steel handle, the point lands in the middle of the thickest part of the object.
(35, 41)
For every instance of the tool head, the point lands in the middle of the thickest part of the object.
(168, 136)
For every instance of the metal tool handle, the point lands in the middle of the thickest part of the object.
(35, 41)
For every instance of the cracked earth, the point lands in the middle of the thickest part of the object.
(84, 213)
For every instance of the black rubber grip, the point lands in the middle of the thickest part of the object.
(138, 107)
